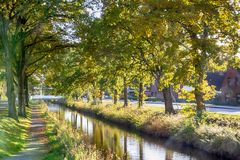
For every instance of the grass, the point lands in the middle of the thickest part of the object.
(232, 121)
(217, 133)
(126, 116)
(56, 152)
(66, 142)
(13, 134)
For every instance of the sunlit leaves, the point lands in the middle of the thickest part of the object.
(176, 41)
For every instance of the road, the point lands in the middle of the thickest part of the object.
(209, 108)
(3, 104)
(235, 110)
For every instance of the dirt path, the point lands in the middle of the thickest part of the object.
(36, 147)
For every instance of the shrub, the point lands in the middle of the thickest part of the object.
(220, 140)
(163, 125)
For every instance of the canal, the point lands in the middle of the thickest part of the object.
(127, 144)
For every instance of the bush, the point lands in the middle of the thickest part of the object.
(232, 121)
(162, 125)
(220, 140)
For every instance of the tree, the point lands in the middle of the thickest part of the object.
(204, 36)
(110, 51)
(19, 20)
(212, 36)
(149, 44)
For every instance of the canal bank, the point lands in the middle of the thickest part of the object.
(212, 138)
(120, 142)
(65, 142)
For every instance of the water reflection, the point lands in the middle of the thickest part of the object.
(125, 144)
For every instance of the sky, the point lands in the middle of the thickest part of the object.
(94, 7)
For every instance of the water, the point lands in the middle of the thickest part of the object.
(127, 144)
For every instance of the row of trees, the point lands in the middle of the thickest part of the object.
(132, 43)
(31, 33)
(95, 46)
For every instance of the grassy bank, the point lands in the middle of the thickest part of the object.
(217, 134)
(66, 142)
(13, 134)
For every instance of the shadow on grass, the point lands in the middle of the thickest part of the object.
(13, 134)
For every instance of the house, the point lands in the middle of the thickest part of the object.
(227, 86)
(231, 86)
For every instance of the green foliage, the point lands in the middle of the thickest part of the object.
(208, 91)
(112, 48)
(188, 110)
(56, 148)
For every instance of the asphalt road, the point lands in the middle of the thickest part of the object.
(209, 107)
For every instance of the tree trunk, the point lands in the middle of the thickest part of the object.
(94, 100)
(9, 48)
(21, 76)
(168, 100)
(88, 97)
(101, 96)
(197, 92)
(166, 95)
(199, 101)
(12, 111)
(26, 93)
(21, 104)
(125, 92)
(115, 97)
(140, 95)
(199, 71)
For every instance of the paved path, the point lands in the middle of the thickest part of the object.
(36, 147)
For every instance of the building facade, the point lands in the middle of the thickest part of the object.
(227, 88)
(230, 87)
